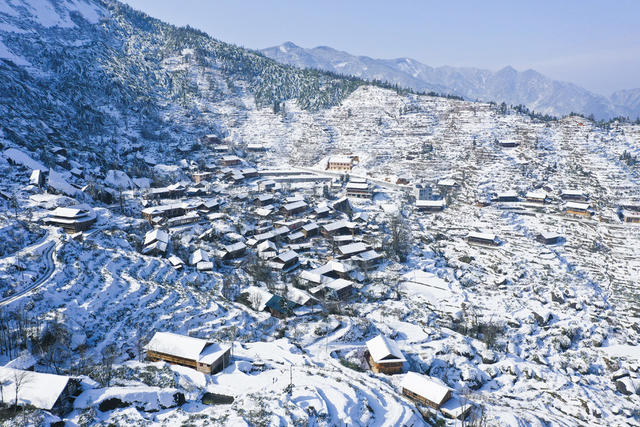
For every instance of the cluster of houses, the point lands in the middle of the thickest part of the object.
(384, 356)
(576, 202)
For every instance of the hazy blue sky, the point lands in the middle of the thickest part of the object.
(595, 44)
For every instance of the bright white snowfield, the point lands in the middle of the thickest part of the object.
(523, 332)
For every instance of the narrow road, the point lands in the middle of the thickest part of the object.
(47, 257)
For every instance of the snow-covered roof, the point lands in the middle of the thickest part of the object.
(155, 246)
(368, 255)
(235, 247)
(340, 159)
(353, 248)
(384, 350)
(35, 388)
(429, 388)
(549, 235)
(197, 256)
(265, 211)
(448, 182)
(213, 352)
(338, 284)
(575, 193)
(287, 256)
(357, 186)
(295, 205)
(430, 203)
(481, 236)
(508, 194)
(177, 345)
(338, 225)
(266, 245)
(630, 214)
(204, 266)
(70, 213)
(536, 195)
(578, 206)
(156, 235)
(175, 261)
(310, 227)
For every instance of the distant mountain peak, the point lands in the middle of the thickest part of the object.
(529, 87)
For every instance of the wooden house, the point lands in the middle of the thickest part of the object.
(72, 219)
(537, 197)
(507, 196)
(368, 258)
(285, 261)
(359, 190)
(230, 161)
(163, 211)
(331, 270)
(256, 147)
(294, 208)
(310, 230)
(198, 177)
(321, 211)
(430, 205)
(447, 184)
(425, 390)
(176, 262)
(249, 172)
(340, 163)
(482, 238)
(234, 251)
(280, 307)
(352, 249)
(263, 199)
(509, 143)
(339, 289)
(578, 208)
(548, 238)
(384, 356)
(155, 242)
(338, 228)
(173, 191)
(202, 355)
(49, 392)
(574, 195)
(630, 216)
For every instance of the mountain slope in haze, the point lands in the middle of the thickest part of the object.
(80, 73)
(529, 88)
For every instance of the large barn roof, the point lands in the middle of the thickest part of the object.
(35, 388)
(427, 387)
(177, 345)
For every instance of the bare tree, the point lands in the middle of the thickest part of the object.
(256, 300)
(3, 383)
(106, 365)
(20, 379)
(400, 237)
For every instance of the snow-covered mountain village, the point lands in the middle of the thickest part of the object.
(194, 234)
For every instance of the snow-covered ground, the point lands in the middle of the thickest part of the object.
(534, 334)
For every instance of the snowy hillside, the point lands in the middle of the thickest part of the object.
(153, 179)
(530, 88)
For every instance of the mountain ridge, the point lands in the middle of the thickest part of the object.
(529, 87)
